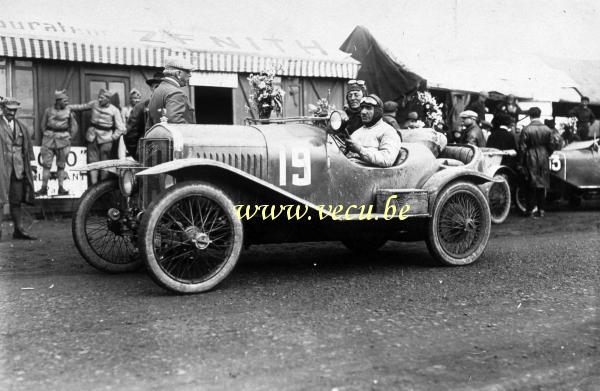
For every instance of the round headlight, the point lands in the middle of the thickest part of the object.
(127, 182)
(335, 120)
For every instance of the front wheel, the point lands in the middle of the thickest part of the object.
(191, 237)
(101, 235)
(460, 225)
(499, 199)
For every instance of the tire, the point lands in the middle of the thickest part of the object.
(520, 199)
(499, 199)
(181, 251)
(103, 243)
(459, 228)
(366, 244)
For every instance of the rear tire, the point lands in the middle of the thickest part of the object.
(499, 199)
(459, 228)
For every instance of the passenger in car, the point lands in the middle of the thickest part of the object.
(357, 90)
(376, 142)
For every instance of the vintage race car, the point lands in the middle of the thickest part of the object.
(200, 194)
(575, 172)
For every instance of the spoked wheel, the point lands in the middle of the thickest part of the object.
(499, 199)
(459, 228)
(191, 238)
(99, 232)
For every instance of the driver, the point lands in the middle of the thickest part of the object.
(376, 142)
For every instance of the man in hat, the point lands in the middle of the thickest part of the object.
(479, 106)
(138, 119)
(18, 165)
(471, 133)
(585, 118)
(390, 108)
(357, 90)
(375, 143)
(536, 145)
(60, 126)
(411, 120)
(168, 99)
(106, 127)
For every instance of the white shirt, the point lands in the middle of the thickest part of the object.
(380, 144)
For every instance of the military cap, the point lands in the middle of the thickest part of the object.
(134, 92)
(413, 115)
(60, 94)
(469, 114)
(105, 93)
(11, 103)
(179, 63)
(390, 106)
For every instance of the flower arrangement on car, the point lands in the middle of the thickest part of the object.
(431, 109)
(264, 94)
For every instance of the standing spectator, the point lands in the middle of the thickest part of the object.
(168, 99)
(502, 138)
(136, 125)
(511, 108)
(106, 127)
(18, 165)
(390, 108)
(471, 133)
(134, 98)
(479, 106)
(536, 145)
(556, 136)
(585, 118)
(411, 120)
(59, 128)
(357, 90)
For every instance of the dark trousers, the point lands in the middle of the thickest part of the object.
(536, 197)
(15, 196)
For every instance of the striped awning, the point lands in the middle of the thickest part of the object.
(153, 56)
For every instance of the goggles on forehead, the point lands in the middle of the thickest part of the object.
(357, 82)
(369, 101)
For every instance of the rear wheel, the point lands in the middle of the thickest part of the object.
(499, 199)
(100, 233)
(191, 238)
(459, 227)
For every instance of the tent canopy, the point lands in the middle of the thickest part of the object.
(56, 40)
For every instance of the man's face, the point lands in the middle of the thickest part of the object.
(411, 123)
(467, 121)
(482, 98)
(62, 103)
(184, 77)
(135, 99)
(103, 100)
(585, 102)
(366, 113)
(10, 113)
(354, 98)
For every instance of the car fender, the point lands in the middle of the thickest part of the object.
(109, 165)
(177, 165)
(442, 178)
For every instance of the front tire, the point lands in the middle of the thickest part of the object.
(460, 225)
(191, 237)
(499, 199)
(104, 243)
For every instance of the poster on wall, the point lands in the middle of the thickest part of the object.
(76, 181)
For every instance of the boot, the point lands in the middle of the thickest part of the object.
(62, 191)
(43, 191)
(22, 234)
(19, 232)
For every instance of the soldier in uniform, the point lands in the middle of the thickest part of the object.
(168, 98)
(18, 164)
(107, 126)
(60, 126)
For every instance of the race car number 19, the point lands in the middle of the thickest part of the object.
(300, 159)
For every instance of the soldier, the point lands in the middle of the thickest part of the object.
(168, 98)
(106, 127)
(18, 165)
(60, 126)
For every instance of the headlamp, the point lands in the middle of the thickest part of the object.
(127, 182)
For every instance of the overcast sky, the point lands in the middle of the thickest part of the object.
(436, 29)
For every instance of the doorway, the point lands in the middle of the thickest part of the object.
(214, 105)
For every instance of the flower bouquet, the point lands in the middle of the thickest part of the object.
(431, 109)
(264, 95)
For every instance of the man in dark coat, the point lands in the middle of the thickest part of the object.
(16, 171)
(357, 90)
(472, 133)
(585, 118)
(502, 138)
(138, 119)
(168, 99)
(479, 106)
(536, 145)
